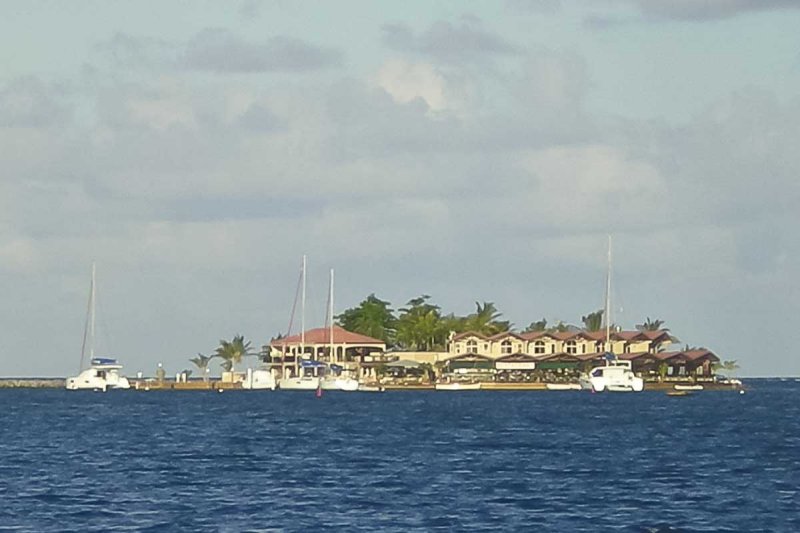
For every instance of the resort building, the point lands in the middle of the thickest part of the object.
(551, 356)
(507, 357)
(335, 345)
(540, 343)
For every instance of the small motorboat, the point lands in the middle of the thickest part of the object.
(679, 393)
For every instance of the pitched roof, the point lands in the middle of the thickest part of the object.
(504, 334)
(689, 355)
(466, 334)
(322, 336)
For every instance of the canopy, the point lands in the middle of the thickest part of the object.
(312, 364)
(104, 361)
(403, 363)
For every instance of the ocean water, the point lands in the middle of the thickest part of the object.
(400, 461)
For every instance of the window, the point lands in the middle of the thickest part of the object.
(505, 347)
(538, 347)
(572, 347)
(472, 346)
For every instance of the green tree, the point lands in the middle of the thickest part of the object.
(593, 321)
(651, 325)
(420, 325)
(232, 352)
(561, 327)
(486, 320)
(540, 325)
(372, 317)
(201, 362)
(663, 368)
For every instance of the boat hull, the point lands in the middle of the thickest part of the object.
(259, 380)
(563, 386)
(343, 384)
(299, 383)
(98, 379)
(457, 386)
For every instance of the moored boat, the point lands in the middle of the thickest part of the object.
(299, 383)
(342, 383)
(103, 374)
(616, 376)
(259, 380)
(457, 386)
(563, 386)
(687, 387)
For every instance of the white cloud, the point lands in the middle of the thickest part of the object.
(406, 82)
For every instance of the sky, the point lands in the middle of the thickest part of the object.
(469, 150)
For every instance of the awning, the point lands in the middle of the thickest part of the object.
(403, 363)
(554, 365)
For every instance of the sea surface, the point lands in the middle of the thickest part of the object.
(400, 461)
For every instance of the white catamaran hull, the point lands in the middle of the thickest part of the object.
(304, 383)
(601, 384)
(340, 383)
(98, 378)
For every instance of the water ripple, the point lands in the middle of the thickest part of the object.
(410, 461)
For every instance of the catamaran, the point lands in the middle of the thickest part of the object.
(616, 375)
(103, 373)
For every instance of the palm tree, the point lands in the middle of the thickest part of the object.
(420, 326)
(540, 325)
(486, 320)
(651, 325)
(201, 362)
(232, 352)
(593, 321)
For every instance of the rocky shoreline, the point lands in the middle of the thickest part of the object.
(32, 383)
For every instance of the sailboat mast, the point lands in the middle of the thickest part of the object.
(607, 311)
(303, 312)
(330, 313)
(92, 312)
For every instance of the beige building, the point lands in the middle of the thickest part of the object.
(542, 343)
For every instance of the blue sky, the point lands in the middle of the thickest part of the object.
(468, 150)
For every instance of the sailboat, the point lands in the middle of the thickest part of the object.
(103, 373)
(616, 375)
(335, 380)
(306, 375)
